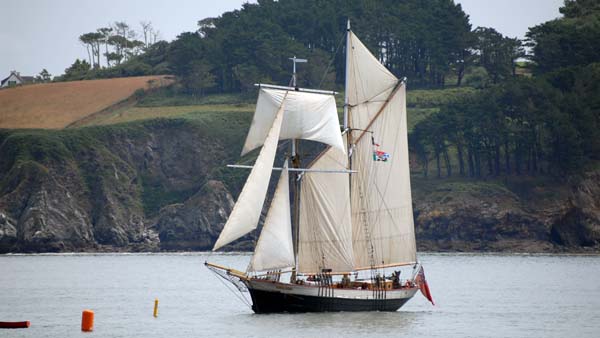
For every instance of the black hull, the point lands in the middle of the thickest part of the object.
(277, 302)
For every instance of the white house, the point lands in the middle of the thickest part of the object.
(15, 79)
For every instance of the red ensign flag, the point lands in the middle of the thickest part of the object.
(422, 283)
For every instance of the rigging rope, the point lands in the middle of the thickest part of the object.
(332, 60)
(221, 277)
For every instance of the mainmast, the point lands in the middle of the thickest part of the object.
(347, 77)
(347, 128)
(296, 176)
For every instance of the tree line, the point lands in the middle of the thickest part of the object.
(547, 124)
(429, 41)
(112, 51)
(123, 42)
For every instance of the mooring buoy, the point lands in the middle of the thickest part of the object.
(14, 325)
(87, 321)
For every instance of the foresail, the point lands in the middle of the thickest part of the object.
(246, 212)
(325, 232)
(382, 219)
(275, 249)
(307, 116)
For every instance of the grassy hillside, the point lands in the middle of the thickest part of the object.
(165, 104)
(56, 105)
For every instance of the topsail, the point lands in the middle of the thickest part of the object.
(307, 116)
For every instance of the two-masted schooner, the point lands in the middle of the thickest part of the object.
(350, 232)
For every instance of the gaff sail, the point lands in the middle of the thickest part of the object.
(382, 218)
(325, 230)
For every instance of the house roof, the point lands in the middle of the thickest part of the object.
(3, 81)
(23, 79)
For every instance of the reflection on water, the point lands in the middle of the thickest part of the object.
(476, 295)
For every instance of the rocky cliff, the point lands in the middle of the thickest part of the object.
(143, 186)
(160, 185)
(524, 215)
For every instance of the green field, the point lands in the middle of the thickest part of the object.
(161, 104)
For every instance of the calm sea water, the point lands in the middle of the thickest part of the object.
(476, 295)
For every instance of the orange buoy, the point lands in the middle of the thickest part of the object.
(14, 325)
(87, 320)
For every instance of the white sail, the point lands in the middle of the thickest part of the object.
(307, 116)
(325, 231)
(382, 219)
(246, 212)
(368, 80)
(275, 249)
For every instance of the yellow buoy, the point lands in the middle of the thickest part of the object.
(87, 320)
(156, 307)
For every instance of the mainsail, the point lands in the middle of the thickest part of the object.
(274, 249)
(246, 212)
(382, 219)
(307, 116)
(325, 231)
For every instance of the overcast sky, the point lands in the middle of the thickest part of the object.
(38, 34)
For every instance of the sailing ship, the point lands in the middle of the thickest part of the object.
(342, 239)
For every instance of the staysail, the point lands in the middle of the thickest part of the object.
(307, 116)
(246, 212)
(274, 249)
(325, 231)
(382, 219)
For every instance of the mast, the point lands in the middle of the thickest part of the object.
(347, 128)
(296, 176)
(346, 80)
(346, 99)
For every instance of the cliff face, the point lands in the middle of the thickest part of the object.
(579, 225)
(131, 187)
(196, 223)
(525, 215)
(159, 185)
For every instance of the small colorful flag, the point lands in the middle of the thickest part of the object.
(379, 155)
(422, 283)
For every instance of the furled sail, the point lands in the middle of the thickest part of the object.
(246, 212)
(325, 232)
(275, 249)
(382, 218)
(307, 116)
